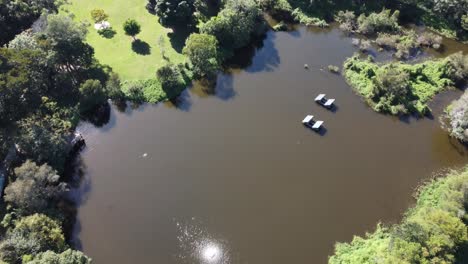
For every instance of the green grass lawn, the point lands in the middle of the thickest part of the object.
(117, 51)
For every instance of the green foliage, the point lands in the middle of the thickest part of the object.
(16, 16)
(67, 257)
(92, 94)
(235, 25)
(132, 28)
(399, 88)
(280, 9)
(44, 139)
(464, 22)
(175, 80)
(22, 82)
(66, 38)
(458, 118)
(113, 87)
(170, 77)
(175, 12)
(431, 231)
(30, 236)
(35, 188)
(24, 41)
(384, 21)
(202, 51)
(98, 15)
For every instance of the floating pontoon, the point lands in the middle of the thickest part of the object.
(321, 99)
(311, 123)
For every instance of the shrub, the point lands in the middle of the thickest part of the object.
(458, 118)
(67, 257)
(431, 232)
(333, 69)
(398, 88)
(347, 20)
(384, 21)
(107, 32)
(458, 67)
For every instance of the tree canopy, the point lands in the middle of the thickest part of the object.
(202, 51)
(132, 28)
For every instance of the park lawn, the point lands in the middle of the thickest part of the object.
(117, 51)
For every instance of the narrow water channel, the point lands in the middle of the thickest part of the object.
(231, 176)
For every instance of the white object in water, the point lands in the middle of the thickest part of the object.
(321, 99)
(144, 155)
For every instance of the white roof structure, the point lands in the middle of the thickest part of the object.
(329, 102)
(320, 97)
(307, 119)
(317, 125)
(102, 25)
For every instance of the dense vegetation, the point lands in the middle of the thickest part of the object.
(433, 231)
(399, 88)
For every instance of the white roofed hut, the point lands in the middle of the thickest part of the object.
(309, 122)
(322, 100)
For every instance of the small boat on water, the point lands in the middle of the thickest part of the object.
(311, 123)
(322, 100)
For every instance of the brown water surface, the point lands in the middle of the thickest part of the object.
(231, 176)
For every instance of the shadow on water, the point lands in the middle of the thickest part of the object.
(80, 188)
(261, 55)
(98, 116)
(141, 47)
(183, 102)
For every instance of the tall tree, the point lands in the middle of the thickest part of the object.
(202, 51)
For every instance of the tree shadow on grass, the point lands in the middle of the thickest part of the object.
(141, 47)
(107, 33)
(178, 37)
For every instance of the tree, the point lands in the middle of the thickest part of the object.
(113, 87)
(170, 77)
(98, 15)
(202, 51)
(67, 40)
(234, 25)
(23, 82)
(132, 28)
(24, 41)
(92, 94)
(44, 139)
(35, 188)
(458, 117)
(67, 257)
(30, 236)
(175, 12)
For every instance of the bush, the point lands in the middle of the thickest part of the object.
(431, 232)
(170, 77)
(347, 20)
(458, 67)
(458, 117)
(384, 21)
(333, 69)
(107, 32)
(398, 88)
(67, 257)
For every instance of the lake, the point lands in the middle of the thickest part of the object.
(229, 175)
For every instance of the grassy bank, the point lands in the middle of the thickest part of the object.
(433, 231)
(131, 63)
(399, 88)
